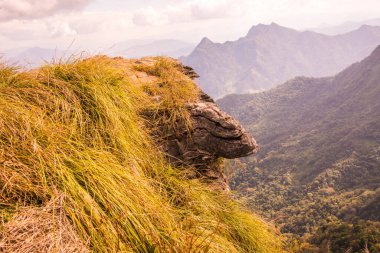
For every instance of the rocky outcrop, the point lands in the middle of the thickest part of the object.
(212, 134)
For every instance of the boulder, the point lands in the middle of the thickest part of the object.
(213, 134)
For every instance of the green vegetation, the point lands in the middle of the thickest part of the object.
(319, 155)
(341, 237)
(80, 132)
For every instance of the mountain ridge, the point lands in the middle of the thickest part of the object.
(271, 54)
(319, 158)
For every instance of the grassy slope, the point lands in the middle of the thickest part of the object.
(75, 130)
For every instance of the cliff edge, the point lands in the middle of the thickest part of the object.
(109, 155)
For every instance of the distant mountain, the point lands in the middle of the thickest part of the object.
(345, 27)
(319, 158)
(34, 56)
(138, 49)
(271, 54)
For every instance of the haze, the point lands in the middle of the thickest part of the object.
(97, 25)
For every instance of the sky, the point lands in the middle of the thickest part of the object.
(98, 24)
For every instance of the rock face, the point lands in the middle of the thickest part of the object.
(199, 141)
(213, 134)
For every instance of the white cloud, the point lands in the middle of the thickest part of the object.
(189, 11)
(63, 29)
(22, 30)
(148, 16)
(53, 23)
(86, 30)
(216, 9)
(30, 9)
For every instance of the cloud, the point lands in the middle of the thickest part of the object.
(189, 11)
(20, 30)
(31, 9)
(148, 16)
(53, 23)
(63, 29)
(213, 9)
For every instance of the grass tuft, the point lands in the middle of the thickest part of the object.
(79, 130)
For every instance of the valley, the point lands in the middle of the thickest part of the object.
(319, 155)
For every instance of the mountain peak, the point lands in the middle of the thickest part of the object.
(273, 24)
(374, 57)
(255, 61)
(205, 41)
(376, 51)
(263, 28)
(365, 26)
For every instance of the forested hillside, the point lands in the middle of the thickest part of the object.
(319, 158)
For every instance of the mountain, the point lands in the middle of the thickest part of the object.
(345, 27)
(115, 155)
(319, 158)
(271, 54)
(34, 56)
(137, 49)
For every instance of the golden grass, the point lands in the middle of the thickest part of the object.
(41, 229)
(79, 130)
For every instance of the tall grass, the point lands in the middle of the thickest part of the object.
(80, 130)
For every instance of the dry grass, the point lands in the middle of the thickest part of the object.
(41, 230)
(79, 130)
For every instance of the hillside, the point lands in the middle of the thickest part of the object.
(271, 54)
(87, 162)
(319, 158)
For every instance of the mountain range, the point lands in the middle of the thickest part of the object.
(271, 54)
(165, 47)
(32, 57)
(345, 27)
(319, 155)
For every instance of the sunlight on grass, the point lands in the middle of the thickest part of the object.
(81, 130)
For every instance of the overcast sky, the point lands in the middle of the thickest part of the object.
(98, 24)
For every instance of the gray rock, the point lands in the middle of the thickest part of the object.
(213, 134)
